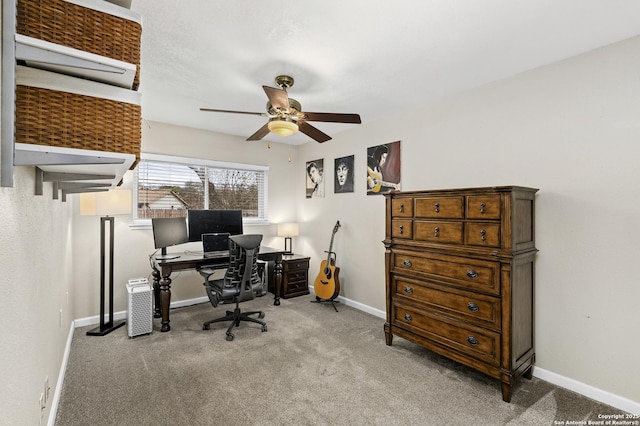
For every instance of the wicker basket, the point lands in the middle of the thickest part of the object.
(82, 28)
(68, 120)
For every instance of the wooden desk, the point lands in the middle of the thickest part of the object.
(162, 270)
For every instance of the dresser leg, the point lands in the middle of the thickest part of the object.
(388, 337)
(506, 392)
(529, 373)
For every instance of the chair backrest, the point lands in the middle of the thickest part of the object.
(242, 272)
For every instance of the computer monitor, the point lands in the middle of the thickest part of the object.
(169, 231)
(213, 222)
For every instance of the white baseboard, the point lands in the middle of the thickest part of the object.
(599, 395)
(361, 307)
(122, 315)
(63, 369)
(589, 391)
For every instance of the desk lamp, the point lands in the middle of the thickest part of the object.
(106, 204)
(288, 230)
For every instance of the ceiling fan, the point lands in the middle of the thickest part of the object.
(286, 116)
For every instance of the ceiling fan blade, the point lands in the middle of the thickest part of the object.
(234, 112)
(313, 132)
(332, 118)
(261, 133)
(277, 97)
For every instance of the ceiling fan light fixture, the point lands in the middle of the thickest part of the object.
(282, 127)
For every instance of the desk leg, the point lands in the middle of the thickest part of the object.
(278, 283)
(165, 299)
(157, 310)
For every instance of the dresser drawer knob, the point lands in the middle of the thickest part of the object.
(436, 232)
(401, 229)
(408, 290)
(483, 233)
(473, 307)
(472, 274)
(401, 208)
(472, 341)
(407, 317)
(437, 207)
(407, 263)
(482, 206)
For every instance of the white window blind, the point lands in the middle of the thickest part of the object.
(169, 186)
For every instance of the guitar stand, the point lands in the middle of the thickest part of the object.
(333, 302)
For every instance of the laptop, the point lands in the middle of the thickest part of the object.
(216, 244)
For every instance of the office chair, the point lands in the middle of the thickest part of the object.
(240, 283)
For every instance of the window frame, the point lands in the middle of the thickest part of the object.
(146, 223)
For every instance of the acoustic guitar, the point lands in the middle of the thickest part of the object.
(327, 284)
(375, 182)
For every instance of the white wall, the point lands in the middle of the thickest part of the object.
(36, 285)
(571, 129)
(133, 246)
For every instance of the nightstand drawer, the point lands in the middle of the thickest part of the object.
(296, 275)
(292, 266)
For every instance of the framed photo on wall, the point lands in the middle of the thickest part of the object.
(343, 176)
(383, 168)
(315, 180)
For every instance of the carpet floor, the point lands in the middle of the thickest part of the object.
(313, 366)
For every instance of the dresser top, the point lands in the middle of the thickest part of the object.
(483, 190)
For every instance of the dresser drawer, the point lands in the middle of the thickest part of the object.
(402, 228)
(472, 341)
(440, 207)
(482, 234)
(439, 232)
(483, 207)
(402, 207)
(466, 273)
(466, 306)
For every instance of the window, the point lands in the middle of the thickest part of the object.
(169, 186)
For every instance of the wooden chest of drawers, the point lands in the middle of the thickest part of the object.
(460, 276)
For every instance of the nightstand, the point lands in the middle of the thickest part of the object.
(295, 276)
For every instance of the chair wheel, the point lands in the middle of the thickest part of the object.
(229, 337)
(205, 326)
(264, 328)
(261, 315)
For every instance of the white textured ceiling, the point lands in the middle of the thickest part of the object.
(370, 57)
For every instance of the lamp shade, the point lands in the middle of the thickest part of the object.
(109, 203)
(288, 230)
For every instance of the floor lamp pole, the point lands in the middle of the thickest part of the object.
(106, 327)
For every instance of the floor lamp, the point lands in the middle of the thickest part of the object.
(288, 230)
(106, 204)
